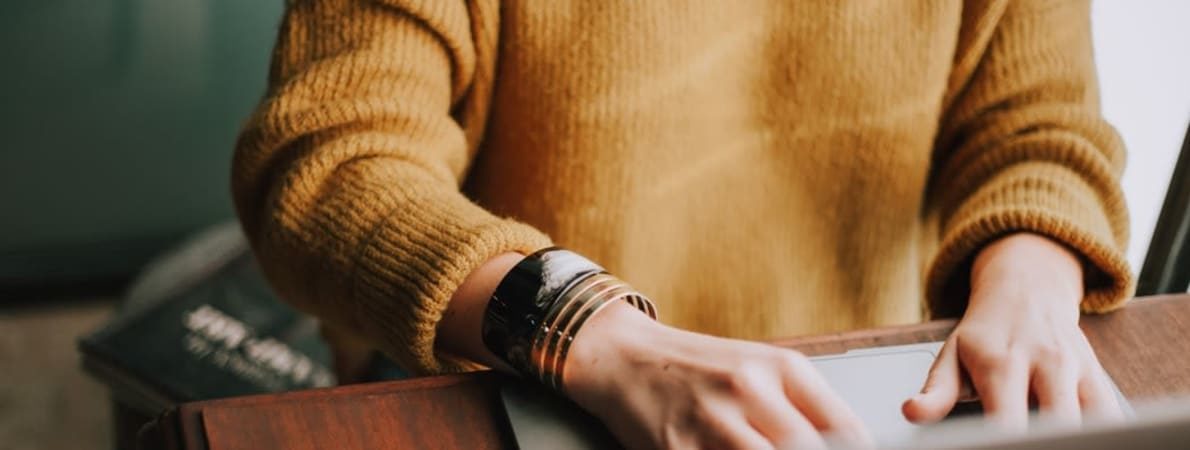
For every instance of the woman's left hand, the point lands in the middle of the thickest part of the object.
(1019, 340)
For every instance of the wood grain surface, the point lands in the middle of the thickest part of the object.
(1143, 346)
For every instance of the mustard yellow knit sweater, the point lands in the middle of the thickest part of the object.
(759, 168)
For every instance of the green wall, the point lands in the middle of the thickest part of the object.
(117, 121)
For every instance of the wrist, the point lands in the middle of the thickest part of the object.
(1029, 268)
(459, 330)
(532, 320)
(601, 346)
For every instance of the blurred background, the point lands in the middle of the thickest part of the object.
(117, 121)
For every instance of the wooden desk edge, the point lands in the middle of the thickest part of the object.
(183, 424)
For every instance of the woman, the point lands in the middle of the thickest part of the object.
(759, 169)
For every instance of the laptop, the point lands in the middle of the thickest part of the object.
(1159, 425)
(542, 420)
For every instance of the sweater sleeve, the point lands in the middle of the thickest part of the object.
(347, 177)
(1023, 147)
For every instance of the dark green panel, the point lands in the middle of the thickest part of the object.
(117, 121)
(1167, 264)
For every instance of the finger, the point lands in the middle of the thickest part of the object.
(781, 423)
(714, 423)
(734, 431)
(798, 433)
(811, 440)
(1056, 389)
(1003, 387)
(828, 413)
(941, 390)
(1098, 398)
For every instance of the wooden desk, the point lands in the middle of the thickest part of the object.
(1144, 348)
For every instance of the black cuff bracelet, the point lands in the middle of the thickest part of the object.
(525, 296)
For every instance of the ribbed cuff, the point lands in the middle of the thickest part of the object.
(1042, 198)
(413, 262)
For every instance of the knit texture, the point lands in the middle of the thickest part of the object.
(760, 169)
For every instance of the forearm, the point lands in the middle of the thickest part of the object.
(1023, 261)
(460, 331)
(346, 178)
(1023, 148)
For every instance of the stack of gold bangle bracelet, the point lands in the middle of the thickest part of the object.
(574, 307)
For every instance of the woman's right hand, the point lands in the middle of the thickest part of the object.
(655, 386)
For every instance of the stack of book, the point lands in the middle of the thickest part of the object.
(202, 323)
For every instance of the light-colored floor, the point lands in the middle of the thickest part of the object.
(46, 401)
